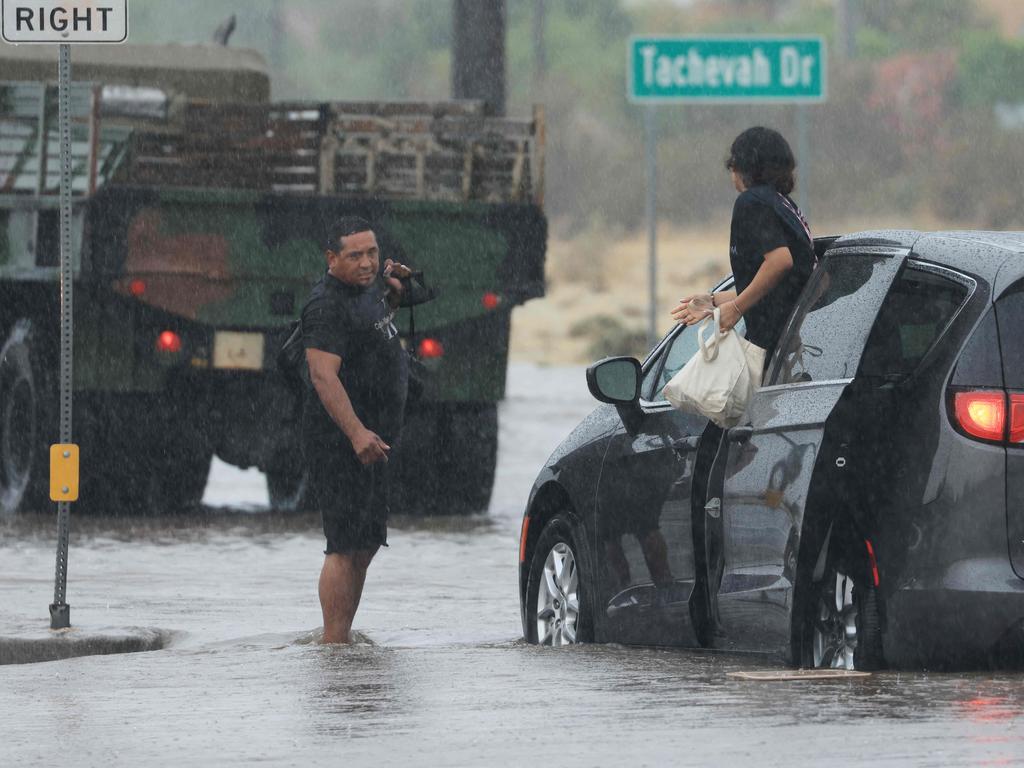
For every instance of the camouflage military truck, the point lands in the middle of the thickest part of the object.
(199, 211)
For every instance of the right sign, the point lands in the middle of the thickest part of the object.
(726, 69)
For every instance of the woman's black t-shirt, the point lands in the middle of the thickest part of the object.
(357, 325)
(757, 229)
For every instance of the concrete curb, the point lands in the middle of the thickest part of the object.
(51, 645)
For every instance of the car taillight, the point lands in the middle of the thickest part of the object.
(1016, 418)
(168, 342)
(981, 413)
(431, 349)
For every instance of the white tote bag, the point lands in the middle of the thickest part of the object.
(720, 378)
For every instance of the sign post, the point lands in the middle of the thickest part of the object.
(64, 22)
(723, 69)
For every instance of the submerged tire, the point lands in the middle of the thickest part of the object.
(446, 462)
(841, 627)
(141, 456)
(288, 489)
(557, 611)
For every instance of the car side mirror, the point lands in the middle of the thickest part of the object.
(615, 380)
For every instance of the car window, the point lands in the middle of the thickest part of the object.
(1010, 312)
(913, 316)
(672, 359)
(979, 364)
(835, 314)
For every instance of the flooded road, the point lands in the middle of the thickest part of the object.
(443, 677)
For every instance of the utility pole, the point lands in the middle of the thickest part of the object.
(540, 54)
(277, 39)
(478, 55)
(848, 21)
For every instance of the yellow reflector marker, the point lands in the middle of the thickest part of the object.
(64, 472)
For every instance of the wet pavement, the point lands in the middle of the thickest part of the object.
(442, 677)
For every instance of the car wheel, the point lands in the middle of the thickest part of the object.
(844, 629)
(556, 606)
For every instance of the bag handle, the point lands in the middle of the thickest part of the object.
(710, 351)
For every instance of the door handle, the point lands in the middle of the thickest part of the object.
(685, 445)
(740, 434)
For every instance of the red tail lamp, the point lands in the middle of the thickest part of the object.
(168, 342)
(431, 349)
(137, 287)
(491, 300)
(1016, 417)
(982, 414)
(873, 561)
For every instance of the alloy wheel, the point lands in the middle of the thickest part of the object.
(835, 624)
(558, 602)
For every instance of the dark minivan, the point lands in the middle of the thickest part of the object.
(870, 510)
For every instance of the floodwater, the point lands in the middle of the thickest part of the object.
(443, 677)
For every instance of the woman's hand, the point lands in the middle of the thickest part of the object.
(693, 309)
(729, 315)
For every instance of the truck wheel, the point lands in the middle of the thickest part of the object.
(287, 489)
(182, 482)
(21, 455)
(446, 462)
(470, 457)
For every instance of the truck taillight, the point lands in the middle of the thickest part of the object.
(168, 342)
(1016, 417)
(430, 349)
(491, 300)
(137, 287)
(981, 413)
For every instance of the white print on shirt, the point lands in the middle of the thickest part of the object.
(386, 324)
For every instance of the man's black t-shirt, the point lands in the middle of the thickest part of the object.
(757, 229)
(357, 325)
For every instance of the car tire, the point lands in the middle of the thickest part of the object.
(841, 627)
(23, 451)
(557, 608)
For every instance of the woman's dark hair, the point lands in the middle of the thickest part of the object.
(761, 156)
(343, 227)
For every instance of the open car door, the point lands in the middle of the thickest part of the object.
(754, 527)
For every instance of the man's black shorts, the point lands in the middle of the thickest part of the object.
(352, 499)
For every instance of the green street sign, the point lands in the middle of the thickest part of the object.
(726, 68)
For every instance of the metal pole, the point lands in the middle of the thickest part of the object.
(652, 220)
(803, 159)
(60, 611)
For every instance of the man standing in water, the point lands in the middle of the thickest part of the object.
(353, 412)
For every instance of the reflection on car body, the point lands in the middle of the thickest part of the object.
(871, 509)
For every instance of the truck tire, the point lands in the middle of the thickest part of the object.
(287, 489)
(23, 452)
(446, 461)
(470, 458)
(161, 469)
(181, 484)
(18, 419)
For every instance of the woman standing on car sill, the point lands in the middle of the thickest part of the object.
(770, 246)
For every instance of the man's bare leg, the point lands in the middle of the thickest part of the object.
(341, 587)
